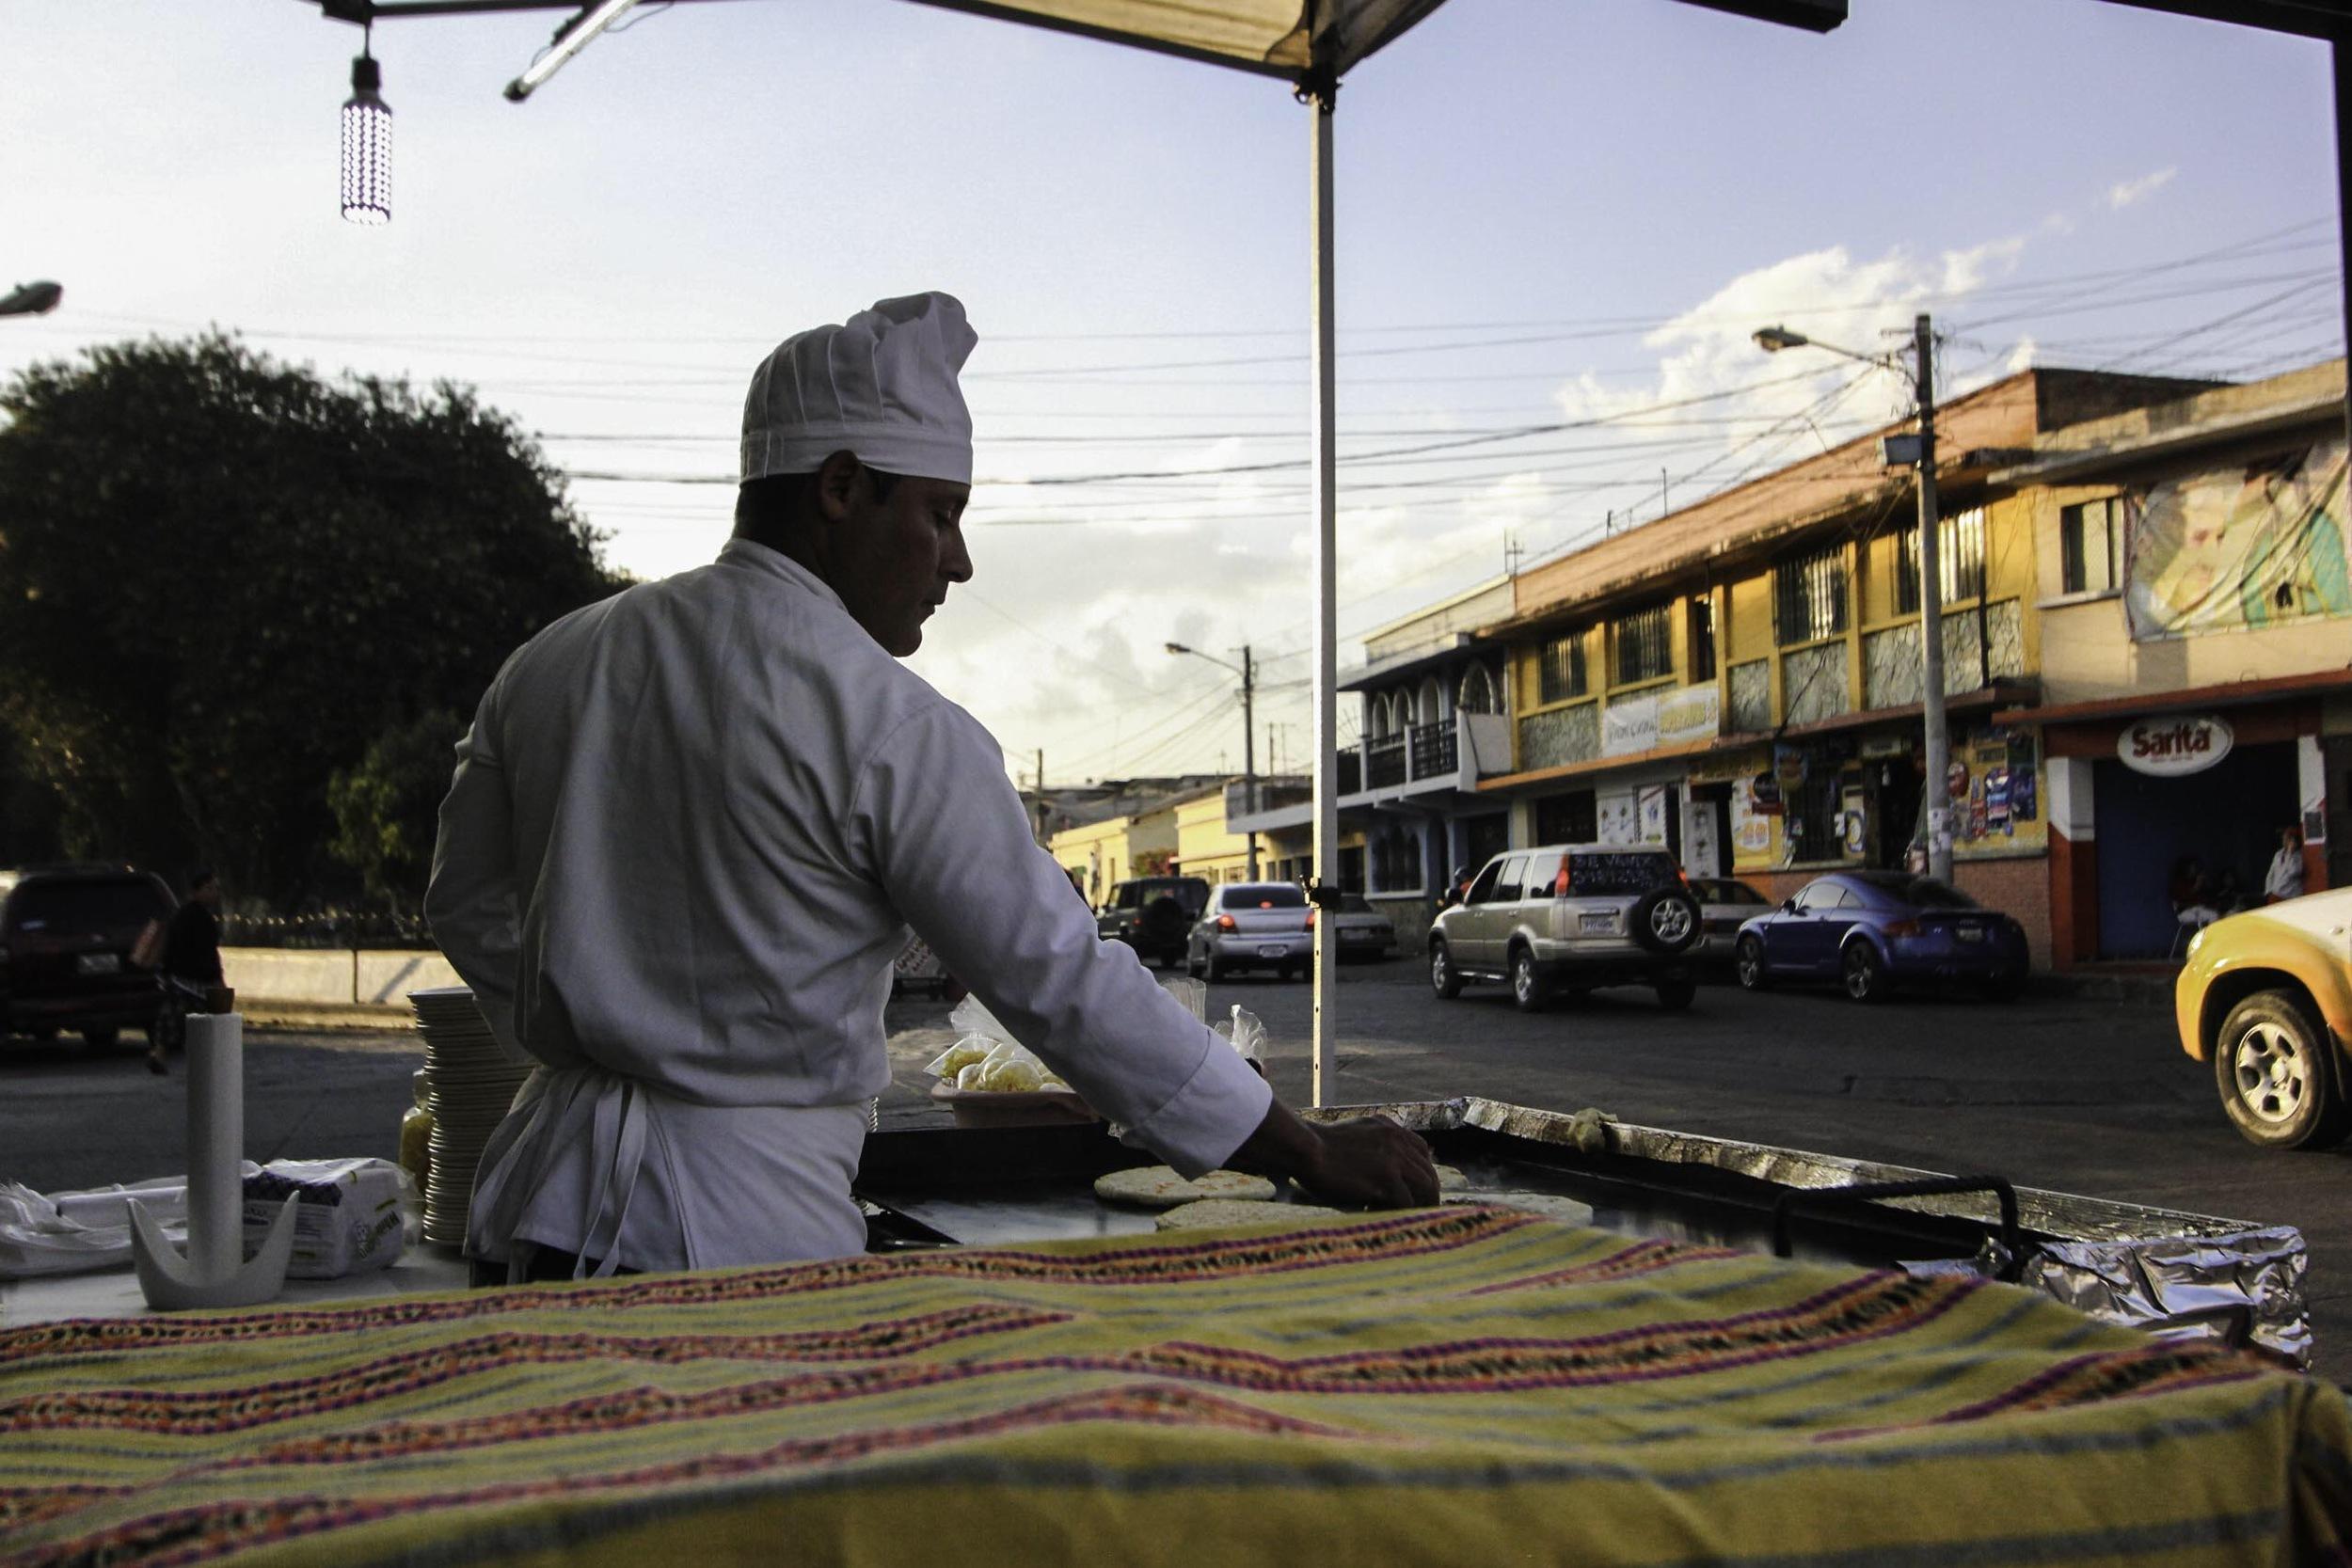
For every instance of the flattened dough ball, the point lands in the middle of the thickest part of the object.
(1160, 1187)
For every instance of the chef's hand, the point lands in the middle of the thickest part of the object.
(1370, 1162)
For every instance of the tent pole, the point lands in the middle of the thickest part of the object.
(1327, 801)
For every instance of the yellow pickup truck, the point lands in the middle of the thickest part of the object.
(2266, 998)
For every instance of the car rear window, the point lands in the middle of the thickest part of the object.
(1262, 896)
(84, 907)
(1606, 872)
(1356, 903)
(1723, 889)
(1926, 892)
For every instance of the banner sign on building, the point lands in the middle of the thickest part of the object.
(2240, 548)
(1674, 718)
(2174, 745)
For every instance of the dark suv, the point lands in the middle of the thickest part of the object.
(1153, 915)
(66, 934)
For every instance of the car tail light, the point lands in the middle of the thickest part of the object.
(1310, 916)
(1561, 882)
(1227, 923)
(1904, 928)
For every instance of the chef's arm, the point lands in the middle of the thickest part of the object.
(1369, 1162)
(471, 903)
(950, 841)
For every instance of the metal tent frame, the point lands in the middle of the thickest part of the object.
(1312, 44)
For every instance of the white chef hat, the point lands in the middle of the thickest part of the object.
(882, 385)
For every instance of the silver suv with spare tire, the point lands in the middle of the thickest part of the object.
(1570, 918)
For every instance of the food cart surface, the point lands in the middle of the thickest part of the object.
(1426, 1386)
(1433, 1386)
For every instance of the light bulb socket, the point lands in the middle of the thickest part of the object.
(367, 77)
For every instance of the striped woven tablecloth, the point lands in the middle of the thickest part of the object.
(1457, 1386)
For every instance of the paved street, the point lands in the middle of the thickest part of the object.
(2064, 1092)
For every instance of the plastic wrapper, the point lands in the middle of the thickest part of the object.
(986, 1060)
(1245, 1033)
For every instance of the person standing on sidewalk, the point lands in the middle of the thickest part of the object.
(191, 958)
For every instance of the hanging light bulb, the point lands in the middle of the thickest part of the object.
(367, 146)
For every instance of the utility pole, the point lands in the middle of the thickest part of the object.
(1249, 749)
(1040, 795)
(1937, 755)
(1939, 740)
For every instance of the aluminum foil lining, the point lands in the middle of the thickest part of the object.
(2163, 1271)
(2243, 1289)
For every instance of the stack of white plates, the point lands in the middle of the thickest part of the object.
(469, 1084)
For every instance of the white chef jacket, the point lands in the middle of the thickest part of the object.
(689, 829)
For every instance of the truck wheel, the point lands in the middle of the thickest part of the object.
(1665, 920)
(2270, 1064)
(1863, 976)
(1528, 991)
(1442, 979)
(1748, 958)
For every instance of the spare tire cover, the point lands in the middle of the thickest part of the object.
(1665, 921)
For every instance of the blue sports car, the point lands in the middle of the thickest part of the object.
(1868, 930)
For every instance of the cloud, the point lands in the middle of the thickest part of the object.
(2127, 192)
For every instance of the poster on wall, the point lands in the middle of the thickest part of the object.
(2239, 548)
(1615, 811)
(1751, 830)
(1701, 855)
(1650, 814)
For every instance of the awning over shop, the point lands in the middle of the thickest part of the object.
(2279, 688)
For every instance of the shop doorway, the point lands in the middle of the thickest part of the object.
(1709, 837)
(1895, 794)
(2226, 818)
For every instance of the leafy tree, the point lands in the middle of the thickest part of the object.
(223, 579)
(388, 807)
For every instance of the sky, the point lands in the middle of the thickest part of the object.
(1550, 212)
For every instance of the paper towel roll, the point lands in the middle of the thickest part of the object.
(215, 1075)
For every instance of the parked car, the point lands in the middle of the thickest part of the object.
(66, 934)
(1869, 930)
(1153, 915)
(1251, 926)
(2266, 998)
(1362, 931)
(1726, 904)
(1570, 917)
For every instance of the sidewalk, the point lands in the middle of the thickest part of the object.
(312, 1016)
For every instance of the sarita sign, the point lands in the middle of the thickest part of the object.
(2172, 746)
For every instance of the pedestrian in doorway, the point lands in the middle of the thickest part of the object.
(2285, 879)
(191, 954)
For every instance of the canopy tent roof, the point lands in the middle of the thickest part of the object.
(1322, 39)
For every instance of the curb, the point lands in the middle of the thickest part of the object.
(2154, 990)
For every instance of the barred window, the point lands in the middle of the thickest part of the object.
(1959, 561)
(1809, 596)
(1644, 646)
(1702, 639)
(1560, 673)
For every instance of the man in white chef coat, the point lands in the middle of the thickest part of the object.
(689, 828)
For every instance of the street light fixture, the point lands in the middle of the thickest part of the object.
(1771, 340)
(1246, 670)
(31, 299)
(367, 146)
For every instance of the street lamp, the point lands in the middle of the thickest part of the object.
(1246, 670)
(367, 182)
(1771, 340)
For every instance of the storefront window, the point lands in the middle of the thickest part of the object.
(1569, 819)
